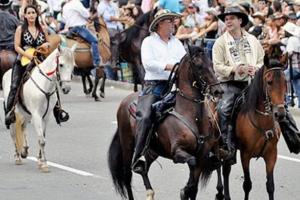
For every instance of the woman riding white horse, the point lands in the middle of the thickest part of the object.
(38, 98)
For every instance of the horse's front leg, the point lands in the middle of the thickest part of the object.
(102, 86)
(247, 185)
(219, 195)
(40, 128)
(270, 161)
(94, 93)
(83, 79)
(189, 192)
(226, 173)
(91, 85)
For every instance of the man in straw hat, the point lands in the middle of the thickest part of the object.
(8, 26)
(236, 56)
(160, 52)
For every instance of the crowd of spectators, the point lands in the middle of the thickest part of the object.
(269, 20)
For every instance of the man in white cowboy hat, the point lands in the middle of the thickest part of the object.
(8, 26)
(236, 56)
(160, 52)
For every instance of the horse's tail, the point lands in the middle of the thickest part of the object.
(121, 174)
(19, 133)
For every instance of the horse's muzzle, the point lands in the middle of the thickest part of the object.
(279, 112)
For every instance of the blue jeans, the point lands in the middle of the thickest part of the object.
(91, 39)
(296, 82)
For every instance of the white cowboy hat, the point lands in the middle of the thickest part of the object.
(162, 15)
(292, 29)
(5, 3)
(237, 11)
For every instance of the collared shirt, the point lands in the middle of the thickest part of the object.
(107, 10)
(54, 5)
(75, 14)
(156, 54)
(8, 26)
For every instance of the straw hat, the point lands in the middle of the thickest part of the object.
(162, 15)
(259, 15)
(292, 29)
(235, 10)
(5, 3)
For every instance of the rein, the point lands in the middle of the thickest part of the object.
(47, 94)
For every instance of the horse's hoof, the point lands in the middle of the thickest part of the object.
(182, 195)
(45, 169)
(219, 197)
(102, 94)
(18, 161)
(150, 195)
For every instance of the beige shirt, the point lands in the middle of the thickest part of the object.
(228, 53)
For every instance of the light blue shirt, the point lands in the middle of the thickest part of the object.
(107, 10)
(172, 5)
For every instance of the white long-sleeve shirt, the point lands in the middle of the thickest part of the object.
(156, 54)
(54, 5)
(75, 14)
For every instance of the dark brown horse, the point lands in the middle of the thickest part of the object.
(257, 128)
(130, 42)
(184, 136)
(7, 60)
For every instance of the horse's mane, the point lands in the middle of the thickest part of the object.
(133, 31)
(255, 92)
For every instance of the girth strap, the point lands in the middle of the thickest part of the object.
(200, 139)
(47, 94)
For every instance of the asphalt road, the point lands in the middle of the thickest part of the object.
(77, 155)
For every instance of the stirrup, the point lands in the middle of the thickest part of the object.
(63, 116)
(139, 166)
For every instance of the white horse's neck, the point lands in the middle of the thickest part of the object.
(50, 64)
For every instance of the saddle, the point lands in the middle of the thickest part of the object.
(160, 109)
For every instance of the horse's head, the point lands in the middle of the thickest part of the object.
(66, 63)
(275, 86)
(203, 73)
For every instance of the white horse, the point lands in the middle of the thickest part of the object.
(39, 98)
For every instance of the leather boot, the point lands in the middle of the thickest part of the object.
(290, 133)
(231, 157)
(59, 114)
(16, 77)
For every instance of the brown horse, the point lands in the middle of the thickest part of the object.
(7, 60)
(184, 135)
(257, 128)
(83, 57)
(130, 42)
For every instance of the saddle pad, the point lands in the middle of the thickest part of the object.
(24, 60)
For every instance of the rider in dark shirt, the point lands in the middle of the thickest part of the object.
(8, 26)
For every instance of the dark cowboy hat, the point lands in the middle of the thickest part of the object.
(5, 3)
(237, 11)
(162, 15)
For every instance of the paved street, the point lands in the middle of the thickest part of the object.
(77, 155)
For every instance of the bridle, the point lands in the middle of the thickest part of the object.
(198, 83)
(268, 105)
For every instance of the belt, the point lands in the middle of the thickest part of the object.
(155, 82)
(82, 26)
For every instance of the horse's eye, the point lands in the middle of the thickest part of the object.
(61, 65)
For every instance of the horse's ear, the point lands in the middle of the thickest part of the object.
(189, 50)
(59, 48)
(73, 48)
(202, 46)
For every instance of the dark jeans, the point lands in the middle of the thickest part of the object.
(91, 39)
(231, 91)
